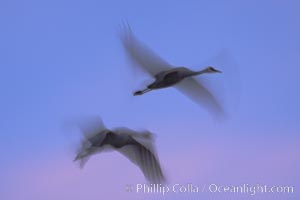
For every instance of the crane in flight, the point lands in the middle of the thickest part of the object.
(136, 146)
(166, 75)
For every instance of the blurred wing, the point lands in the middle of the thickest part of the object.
(229, 85)
(200, 95)
(145, 160)
(84, 155)
(141, 55)
(94, 132)
(92, 126)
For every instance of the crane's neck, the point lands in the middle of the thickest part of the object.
(199, 72)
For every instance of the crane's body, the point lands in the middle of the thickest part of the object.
(114, 140)
(173, 76)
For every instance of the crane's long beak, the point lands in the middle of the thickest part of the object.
(218, 71)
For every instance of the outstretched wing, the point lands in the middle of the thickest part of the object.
(91, 126)
(94, 131)
(141, 55)
(200, 95)
(84, 154)
(145, 160)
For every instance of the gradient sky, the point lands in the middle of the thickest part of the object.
(62, 59)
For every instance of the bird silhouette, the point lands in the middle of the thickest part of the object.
(173, 76)
(136, 146)
(166, 75)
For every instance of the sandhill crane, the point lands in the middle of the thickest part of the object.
(136, 146)
(166, 75)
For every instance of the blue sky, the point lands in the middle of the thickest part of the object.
(63, 59)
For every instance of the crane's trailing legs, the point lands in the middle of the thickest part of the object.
(140, 92)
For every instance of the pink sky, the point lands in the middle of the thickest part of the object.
(106, 175)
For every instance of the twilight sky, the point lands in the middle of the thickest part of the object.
(61, 60)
